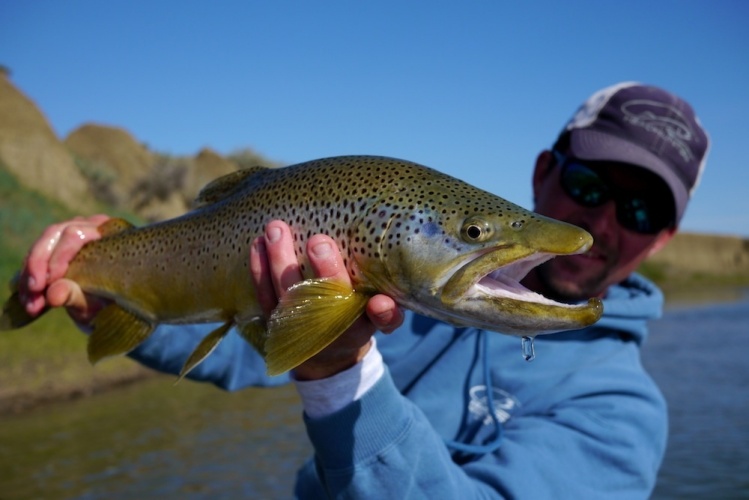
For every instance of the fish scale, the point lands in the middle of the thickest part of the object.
(432, 242)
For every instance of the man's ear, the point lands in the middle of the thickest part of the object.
(544, 164)
(661, 240)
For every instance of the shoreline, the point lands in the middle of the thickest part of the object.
(18, 403)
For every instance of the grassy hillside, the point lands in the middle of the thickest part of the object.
(700, 265)
(100, 168)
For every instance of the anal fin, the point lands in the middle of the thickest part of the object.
(312, 314)
(205, 348)
(116, 331)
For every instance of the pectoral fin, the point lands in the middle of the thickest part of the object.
(311, 315)
(116, 331)
(205, 348)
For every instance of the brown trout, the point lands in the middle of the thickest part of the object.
(437, 245)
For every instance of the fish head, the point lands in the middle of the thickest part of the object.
(458, 254)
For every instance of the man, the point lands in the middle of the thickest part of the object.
(458, 413)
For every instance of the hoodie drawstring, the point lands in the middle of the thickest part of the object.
(482, 340)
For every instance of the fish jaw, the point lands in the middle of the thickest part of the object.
(487, 289)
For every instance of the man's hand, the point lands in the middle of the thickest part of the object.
(275, 267)
(42, 283)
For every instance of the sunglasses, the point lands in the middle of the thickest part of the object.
(641, 212)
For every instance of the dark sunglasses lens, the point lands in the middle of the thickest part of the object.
(583, 185)
(636, 213)
(642, 216)
(633, 214)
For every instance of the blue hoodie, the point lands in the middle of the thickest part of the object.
(582, 420)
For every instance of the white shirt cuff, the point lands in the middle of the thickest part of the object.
(326, 396)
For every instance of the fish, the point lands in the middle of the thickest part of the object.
(435, 244)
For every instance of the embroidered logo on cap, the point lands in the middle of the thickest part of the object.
(664, 120)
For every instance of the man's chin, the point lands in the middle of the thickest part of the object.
(573, 278)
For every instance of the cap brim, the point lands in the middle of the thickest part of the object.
(593, 145)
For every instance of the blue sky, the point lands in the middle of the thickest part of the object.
(472, 88)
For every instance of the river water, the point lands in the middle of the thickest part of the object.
(698, 355)
(154, 439)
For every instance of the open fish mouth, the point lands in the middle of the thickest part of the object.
(496, 271)
(488, 287)
(505, 282)
(501, 282)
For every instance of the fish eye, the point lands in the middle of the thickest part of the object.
(475, 230)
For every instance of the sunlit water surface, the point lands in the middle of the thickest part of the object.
(154, 440)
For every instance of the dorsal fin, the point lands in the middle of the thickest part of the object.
(224, 186)
(113, 226)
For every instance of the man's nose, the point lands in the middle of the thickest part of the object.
(601, 220)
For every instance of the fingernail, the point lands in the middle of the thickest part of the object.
(321, 250)
(31, 283)
(273, 234)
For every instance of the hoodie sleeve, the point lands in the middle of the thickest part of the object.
(233, 365)
(601, 435)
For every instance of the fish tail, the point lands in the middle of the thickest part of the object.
(14, 313)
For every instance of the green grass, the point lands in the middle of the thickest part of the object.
(668, 278)
(23, 216)
(653, 271)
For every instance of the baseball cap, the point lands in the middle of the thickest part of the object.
(644, 126)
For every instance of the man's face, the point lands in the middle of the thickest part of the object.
(616, 251)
